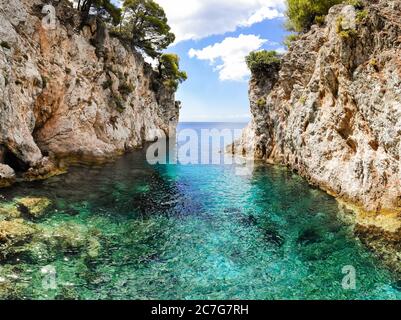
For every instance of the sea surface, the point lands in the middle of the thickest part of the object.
(132, 230)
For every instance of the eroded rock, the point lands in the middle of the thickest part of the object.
(7, 176)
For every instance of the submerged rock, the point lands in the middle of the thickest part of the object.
(35, 207)
(309, 236)
(9, 211)
(28, 208)
(13, 234)
(11, 287)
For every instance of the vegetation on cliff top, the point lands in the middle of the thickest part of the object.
(169, 70)
(302, 14)
(260, 61)
(143, 25)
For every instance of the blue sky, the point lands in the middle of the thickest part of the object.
(213, 38)
(204, 95)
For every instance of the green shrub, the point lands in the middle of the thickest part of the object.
(261, 103)
(345, 34)
(361, 15)
(259, 61)
(375, 64)
(169, 71)
(358, 4)
(5, 45)
(320, 20)
(302, 14)
(107, 84)
(126, 89)
(290, 39)
(119, 103)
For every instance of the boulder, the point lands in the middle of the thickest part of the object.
(7, 176)
(34, 207)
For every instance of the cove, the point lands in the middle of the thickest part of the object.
(130, 230)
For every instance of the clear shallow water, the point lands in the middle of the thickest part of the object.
(195, 232)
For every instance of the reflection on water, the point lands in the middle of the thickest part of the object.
(134, 231)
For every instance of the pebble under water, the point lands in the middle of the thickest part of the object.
(191, 232)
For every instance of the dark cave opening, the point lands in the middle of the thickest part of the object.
(11, 160)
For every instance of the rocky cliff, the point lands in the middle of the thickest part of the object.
(331, 110)
(70, 94)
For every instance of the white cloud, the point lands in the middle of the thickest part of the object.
(197, 19)
(231, 52)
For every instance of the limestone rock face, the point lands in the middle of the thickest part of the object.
(61, 97)
(332, 111)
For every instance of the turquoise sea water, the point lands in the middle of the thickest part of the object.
(193, 232)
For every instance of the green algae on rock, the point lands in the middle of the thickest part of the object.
(13, 234)
(33, 206)
(26, 207)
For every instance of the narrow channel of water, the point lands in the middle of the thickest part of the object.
(129, 230)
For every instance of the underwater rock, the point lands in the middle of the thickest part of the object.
(273, 236)
(93, 248)
(381, 233)
(9, 211)
(309, 236)
(10, 289)
(27, 208)
(14, 233)
(71, 238)
(34, 207)
(386, 245)
(67, 237)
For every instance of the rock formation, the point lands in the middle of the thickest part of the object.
(62, 96)
(332, 109)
